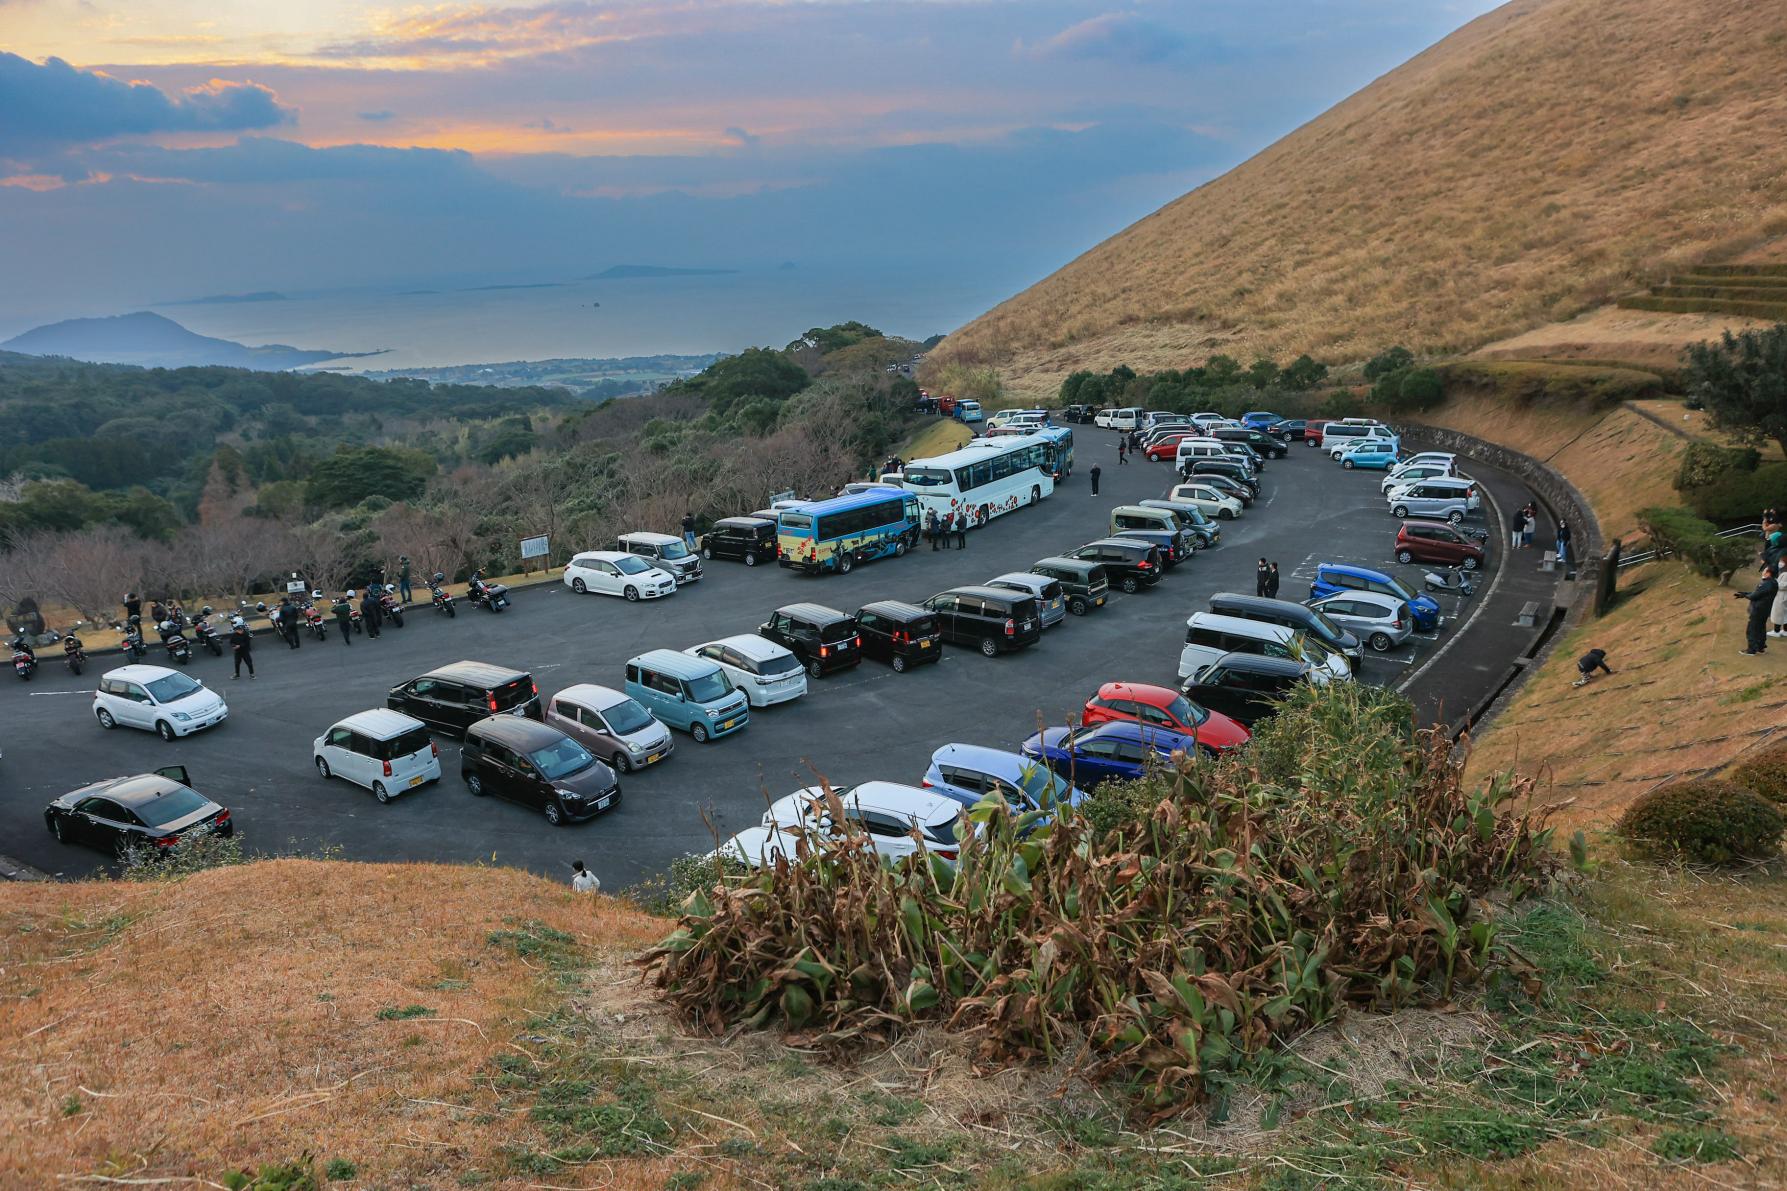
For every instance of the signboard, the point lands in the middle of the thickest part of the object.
(296, 587)
(538, 547)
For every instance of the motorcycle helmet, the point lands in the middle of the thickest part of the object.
(440, 577)
(350, 593)
(317, 594)
(391, 588)
(260, 606)
(136, 618)
(236, 622)
(166, 626)
(207, 610)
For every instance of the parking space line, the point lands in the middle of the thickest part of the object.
(1482, 602)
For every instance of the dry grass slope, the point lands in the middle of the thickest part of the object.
(1547, 158)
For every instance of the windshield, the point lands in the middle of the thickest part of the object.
(1330, 630)
(927, 477)
(785, 664)
(710, 687)
(626, 717)
(1187, 712)
(673, 550)
(1038, 782)
(172, 688)
(1396, 588)
(562, 759)
(170, 807)
(631, 565)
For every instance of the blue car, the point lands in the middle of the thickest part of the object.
(1381, 457)
(1260, 419)
(968, 773)
(1105, 752)
(1332, 578)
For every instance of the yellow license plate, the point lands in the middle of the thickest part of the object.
(415, 781)
(728, 723)
(1100, 601)
(653, 759)
(924, 644)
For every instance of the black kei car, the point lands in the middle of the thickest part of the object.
(902, 635)
(1128, 563)
(824, 639)
(149, 813)
(994, 620)
(456, 696)
(1083, 583)
(1247, 686)
(1079, 413)
(750, 540)
(536, 766)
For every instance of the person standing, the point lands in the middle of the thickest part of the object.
(1259, 578)
(1532, 524)
(1093, 474)
(133, 607)
(1563, 542)
(288, 622)
(962, 530)
(1516, 524)
(371, 612)
(689, 530)
(1762, 601)
(1122, 451)
(582, 880)
(403, 578)
(931, 528)
(344, 618)
(242, 648)
(1272, 582)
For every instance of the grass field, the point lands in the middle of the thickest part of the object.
(1547, 158)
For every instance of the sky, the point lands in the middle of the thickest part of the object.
(154, 149)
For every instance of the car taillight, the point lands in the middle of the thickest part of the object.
(947, 853)
(825, 651)
(167, 841)
(1144, 566)
(387, 769)
(434, 749)
(1397, 623)
(1011, 627)
(926, 783)
(492, 699)
(900, 637)
(856, 640)
(223, 816)
(535, 687)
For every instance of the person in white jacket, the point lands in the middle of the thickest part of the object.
(582, 880)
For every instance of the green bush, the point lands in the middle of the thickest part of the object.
(1703, 463)
(194, 853)
(1765, 774)
(1408, 390)
(1394, 360)
(1739, 497)
(1709, 821)
(1678, 531)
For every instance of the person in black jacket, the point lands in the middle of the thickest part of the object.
(133, 606)
(1272, 581)
(242, 649)
(1588, 664)
(288, 621)
(371, 612)
(1762, 599)
(1260, 574)
(344, 618)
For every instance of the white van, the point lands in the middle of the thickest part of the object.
(1190, 450)
(1344, 434)
(383, 750)
(1124, 418)
(1209, 635)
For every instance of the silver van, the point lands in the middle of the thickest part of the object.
(1437, 497)
(1209, 635)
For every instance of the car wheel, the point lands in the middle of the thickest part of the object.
(579, 586)
(813, 670)
(699, 732)
(989, 647)
(620, 763)
(1455, 517)
(1403, 556)
(750, 560)
(379, 792)
(1225, 514)
(1470, 564)
(845, 562)
(554, 815)
(1077, 606)
(898, 663)
(1347, 463)
(474, 785)
(1400, 511)
(707, 553)
(632, 594)
(164, 730)
(1381, 642)
(322, 769)
(1130, 585)
(105, 719)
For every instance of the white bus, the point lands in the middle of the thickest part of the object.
(984, 479)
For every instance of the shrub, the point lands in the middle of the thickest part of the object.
(1341, 404)
(1738, 497)
(1709, 821)
(1394, 360)
(1677, 531)
(1703, 463)
(194, 853)
(1765, 774)
(1420, 390)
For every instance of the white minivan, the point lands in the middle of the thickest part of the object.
(1190, 450)
(1209, 635)
(383, 750)
(165, 702)
(1124, 418)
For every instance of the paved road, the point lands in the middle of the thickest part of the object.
(868, 723)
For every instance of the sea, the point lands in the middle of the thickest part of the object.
(471, 322)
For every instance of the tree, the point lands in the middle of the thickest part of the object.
(1394, 360)
(1219, 372)
(351, 475)
(1303, 374)
(1742, 382)
(1263, 374)
(1070, 387)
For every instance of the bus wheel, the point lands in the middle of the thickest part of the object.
(845, 562)
(899, 547)
(1035, 494)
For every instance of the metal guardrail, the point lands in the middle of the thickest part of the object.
(1754, 529)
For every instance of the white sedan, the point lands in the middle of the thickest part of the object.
(763, 670)
(616, 573)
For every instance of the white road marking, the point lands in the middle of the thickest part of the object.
(34, 694)
(1482, 603)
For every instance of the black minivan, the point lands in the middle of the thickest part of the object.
(1083, 583)
(750, 539)
(538, 767)
(1258, 441)
(1247, 686)
(993, 620)
(454, 697)
(1292, 616)
(824, 639)
(902, 635)
(1130, 563)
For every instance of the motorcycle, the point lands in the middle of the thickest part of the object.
(24, 663)
(494, 596)
(132, 643)
(1452, 581)
(315, 621)
(178, 647)
(73, 653)
(440, 599)
(392, 605)
(355, 620)
(207, 636)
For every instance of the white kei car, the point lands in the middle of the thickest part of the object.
(159, 700)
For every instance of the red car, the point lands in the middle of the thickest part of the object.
(1167, 708)
(1312, 431)
(1435, 541)
(1168, 447)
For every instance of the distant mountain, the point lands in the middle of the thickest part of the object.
(265, 295)
(628, 272)
(153, 341)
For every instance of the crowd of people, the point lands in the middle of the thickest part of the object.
(1768, 599)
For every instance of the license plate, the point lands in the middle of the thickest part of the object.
(653, 759)
(924, 644)
(1029, 624)
(601, 804)
(728, 723)
(416, 781)
(517, 711)
(1099, 601)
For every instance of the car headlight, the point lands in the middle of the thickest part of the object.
(181, 715)
(713, 713)
(637, 748)
(567, 795)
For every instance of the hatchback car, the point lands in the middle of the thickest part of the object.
(1164, 707)
(1093, 754)
(1207, 532)
(1381, 621)
(1339, 448)
(763, 670)
(666, 551)
(692, 694)
(994, 620)
(1288, 430)
(385, 751)
(1228, 485)
(610, 724)
(969, 773)
(156, 699)
(536, 766)
(750, 540)
(1435, 541)
(890, 814)
(1230, 468)
(1165, 447)
(1381, 455)
(150, 811)
(1332, 577)
(1129, 564)
(824, 639)
(1173, 545)
(1247, 687)
(1256, 440)
(1405, 475)
(1208, 500)
(616, 573)
(900, 634)
(1051, 601)
(454, 697)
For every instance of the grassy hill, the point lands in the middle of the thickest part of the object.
(1549, 157)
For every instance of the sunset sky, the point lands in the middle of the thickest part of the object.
(150, 147)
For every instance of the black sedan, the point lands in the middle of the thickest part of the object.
(150, 811)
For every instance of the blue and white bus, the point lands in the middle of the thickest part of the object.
(836, 534)
(984, 479)
(1062, 438)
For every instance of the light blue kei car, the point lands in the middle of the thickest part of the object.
(1381, 456)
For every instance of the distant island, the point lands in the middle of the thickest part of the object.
(152, 340)
(597, 379)
(629, 272)
(479, 289)
(265, 295)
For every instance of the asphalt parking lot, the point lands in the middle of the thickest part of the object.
(862, 724)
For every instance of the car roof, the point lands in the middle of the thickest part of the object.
(1132, 543)
(1428, 523)
(677, 665)
(603, 555)
(1028, 580)
(817, 613)
(758, 649)
(1132, 730)
(1260, 663)
(1237, 624)
(517, 731)
(139, 788)
(139, 673)
(591, 695)
(483, 673)
(1376, 598)
(1236, 599)
(743, 522)
(1144, 691)
(897, 609)
(1060, 560)
(380, 723)
(997, 762)
(1347, 568)
(976, 589)
(927, 806)
(646, 535)
(1136, 509)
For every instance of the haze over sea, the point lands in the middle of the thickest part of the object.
(465, 321)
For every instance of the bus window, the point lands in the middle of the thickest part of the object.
(798, 521)
(926, 477)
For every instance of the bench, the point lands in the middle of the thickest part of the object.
(1550, 563)
(1529, 614)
